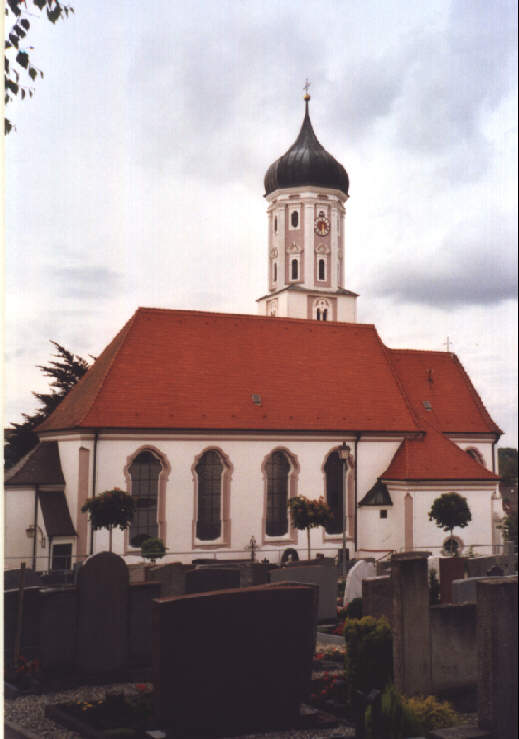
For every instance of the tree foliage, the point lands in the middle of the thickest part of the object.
(109, 510)
(507, 464)
(152, 548)
(64, 371)
(450, 510)
(308, 514)
(20, 72)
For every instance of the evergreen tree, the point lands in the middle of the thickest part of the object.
(65, 370)
(19, 70)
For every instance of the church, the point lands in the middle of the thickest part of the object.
(214, 421)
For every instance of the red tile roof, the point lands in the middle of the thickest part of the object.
(191, 370)
(440, 379)
(434, 457)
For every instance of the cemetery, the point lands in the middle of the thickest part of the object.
(237, 648)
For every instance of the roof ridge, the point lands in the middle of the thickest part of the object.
(254, 316)
(124, 330)
(399, 382)
(421, 351)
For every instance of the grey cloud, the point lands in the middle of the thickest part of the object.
(467, 269)
(84, 282)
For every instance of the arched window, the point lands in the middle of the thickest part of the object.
(325, 314)
(275, 224)
(277, 470)
(144, 474)
(318, 314)
(321, 270)
(209, 518)
(275, 272)
(294, 269)
(294, 219)
(334, 492)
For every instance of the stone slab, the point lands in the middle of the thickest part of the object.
(323, 576)
(451, 568)
(459, 732)
(102, 643)
(205, 579)
(239, 658)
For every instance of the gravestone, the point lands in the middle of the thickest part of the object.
(360, 570)
(495, 571)
(172, 578)
(323, 576)
(479, 566)
(497, 656)
(253, 573)
(233, 660)
(377, 597)
(12, 579)
(102, 637)
(451, 568)
(204, 579)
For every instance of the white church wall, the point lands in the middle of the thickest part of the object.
(377, 535)
(19, 515)
(347, 309)
(477, 534)
(485, 449)
(373, 457)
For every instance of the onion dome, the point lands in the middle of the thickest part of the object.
(306, 163)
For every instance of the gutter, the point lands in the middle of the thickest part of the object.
(35, 540)
(356, 506)
(94, 478)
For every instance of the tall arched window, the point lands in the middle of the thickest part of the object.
(209, 518)
(294, 219)
(334, 492)
(277, 469)
(321, 270)
(275, 224)
(294, 269)
(144, 474)
(275, 272)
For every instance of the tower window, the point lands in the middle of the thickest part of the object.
(275, 272)
(275, 224)
(294, 269)
(294, 219)
(321, 269)
(325, 315)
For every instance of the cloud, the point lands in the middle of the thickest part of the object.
(84, 282)
(476, 264)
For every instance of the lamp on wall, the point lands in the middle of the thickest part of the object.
(344, 453)
(30, 531)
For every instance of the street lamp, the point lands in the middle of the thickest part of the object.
(344, 452)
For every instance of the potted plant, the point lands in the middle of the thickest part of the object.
(153, 549)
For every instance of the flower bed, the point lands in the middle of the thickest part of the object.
(115, 715)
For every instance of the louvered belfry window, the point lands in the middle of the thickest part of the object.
(209, 470)
(334, 492)
(144, 471)
(277, 469)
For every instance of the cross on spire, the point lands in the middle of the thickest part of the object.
(447, 344)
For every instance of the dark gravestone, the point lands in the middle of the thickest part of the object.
(253, 573)
(495, 571)
(102, 639)
(479, 566)
(233, 660)
(58, 624)
(140, 601)
(172, 578)
(323, 576)
(30, 635)
(451, 568)
(206, 579)
(12, 579)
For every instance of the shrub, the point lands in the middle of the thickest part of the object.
(369, 654)
(152, 548)
(354, 609)
(403, 717)
(109, 510)
(308, 514)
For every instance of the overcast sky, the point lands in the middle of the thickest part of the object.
(135, 174)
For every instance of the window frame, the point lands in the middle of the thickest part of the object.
(161, 493)
(224, 539)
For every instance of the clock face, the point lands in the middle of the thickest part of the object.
(322, 226)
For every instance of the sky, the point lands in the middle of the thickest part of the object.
(135, 174)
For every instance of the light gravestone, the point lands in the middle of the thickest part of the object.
(323, 576)
(102, 639)
(359, 572)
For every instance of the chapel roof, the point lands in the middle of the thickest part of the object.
(56, 515)
(40, 466)
(195, 370)
(434, 457)
(441, 392)
(306, 163)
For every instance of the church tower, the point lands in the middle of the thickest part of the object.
(306, 190)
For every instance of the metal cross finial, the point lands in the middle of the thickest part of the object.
(447, 344)
(306, 86)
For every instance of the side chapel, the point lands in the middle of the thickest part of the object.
(214, 421)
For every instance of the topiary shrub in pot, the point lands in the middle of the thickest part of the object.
(153, 549)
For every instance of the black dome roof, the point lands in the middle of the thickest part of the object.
(306, 163)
